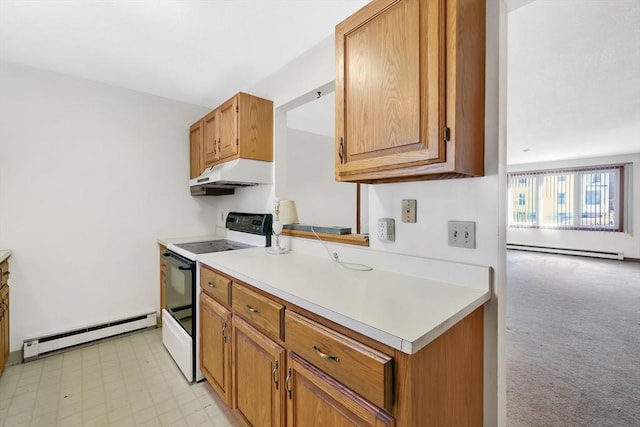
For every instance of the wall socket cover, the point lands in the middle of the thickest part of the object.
(462, 234)
(409, 210)
(386, 230)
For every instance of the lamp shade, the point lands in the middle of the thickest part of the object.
(287, 212)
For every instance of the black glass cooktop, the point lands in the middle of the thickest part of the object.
(212, 246)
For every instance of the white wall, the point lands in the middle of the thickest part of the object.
(319, 198)
(90, 176)
(627, 242)
(475, 199)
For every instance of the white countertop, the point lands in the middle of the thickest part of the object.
(402, 311)
(4, 254)
(189, 239)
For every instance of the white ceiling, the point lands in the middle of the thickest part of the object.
(573, 80)
(196, 51)
(573, 65)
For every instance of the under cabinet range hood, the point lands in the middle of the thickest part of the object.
(224, 178)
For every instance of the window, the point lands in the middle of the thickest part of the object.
(561, 198)
(580, 198)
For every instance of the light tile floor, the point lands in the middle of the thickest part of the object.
(127, 381)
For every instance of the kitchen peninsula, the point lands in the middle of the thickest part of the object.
(398, 345)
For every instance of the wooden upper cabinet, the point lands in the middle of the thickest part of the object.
(398, 110)
(211, 135)
(196, 138)
(240, 127)
(228, 128)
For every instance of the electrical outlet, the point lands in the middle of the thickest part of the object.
(386, 229)
(462, 234)
(408, 210)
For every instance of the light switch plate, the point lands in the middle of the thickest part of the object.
(386, 229)
(409, 210)
(462, 234)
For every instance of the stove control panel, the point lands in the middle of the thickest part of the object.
(250, 223)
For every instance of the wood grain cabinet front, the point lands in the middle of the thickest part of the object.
(196, 147)
(215, 285)
(263, 312)
(163, 279)
(364, 370)
(316, 399)
(258, 377)
(4, 314)
(410, 91)
(215, 346)
(241, 127)
(275, 364)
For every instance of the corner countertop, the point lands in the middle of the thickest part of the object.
(403, 311)
(4, 254)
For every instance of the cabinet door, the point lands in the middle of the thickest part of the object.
(228, 128)
(196, 138)
(210, 150)
(315, 399)
(258, 392)
(163, 280)
(215, 361)
(390, 103)
(4, 326)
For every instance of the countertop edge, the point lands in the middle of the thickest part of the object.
(166, 241)
(5, 254)
(391, 340)
(415, 346)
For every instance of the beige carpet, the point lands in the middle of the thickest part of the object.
(573, 341)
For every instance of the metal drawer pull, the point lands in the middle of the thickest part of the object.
(325, 355)
(211, 285)
(274, 374)
(253, 310)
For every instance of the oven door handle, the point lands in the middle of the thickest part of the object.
(184, 266)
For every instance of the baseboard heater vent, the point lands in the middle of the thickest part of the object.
(38, 347)
(594, 254)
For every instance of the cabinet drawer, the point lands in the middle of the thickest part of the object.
(364, 370)
(215, 285)
(260, 310)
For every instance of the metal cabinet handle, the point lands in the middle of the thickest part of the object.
(224, 335)
(219, 150)
(253, 310)
(341, 151)
(211, 285)
(287, 383)
(325, 355)
(274, 374)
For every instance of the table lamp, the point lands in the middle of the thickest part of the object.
(285, 213)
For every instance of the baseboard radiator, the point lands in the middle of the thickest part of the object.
(37, 347)
(545, 249)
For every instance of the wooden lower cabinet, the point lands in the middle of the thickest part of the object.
(215, 346)
(316, 399)
(258, 367)
(163, 279)
(4, 326)
(309, 371)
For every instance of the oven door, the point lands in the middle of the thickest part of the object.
(179, 290)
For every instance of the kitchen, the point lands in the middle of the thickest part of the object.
(102, 202)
